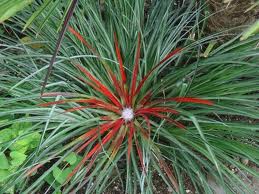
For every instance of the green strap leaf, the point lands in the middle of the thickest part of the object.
(8, 8)
(213, 157)
(252, 30)
(37, 13)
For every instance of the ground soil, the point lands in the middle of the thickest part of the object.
(159, 186)
(233, 14)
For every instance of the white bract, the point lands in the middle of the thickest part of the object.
(127, 114)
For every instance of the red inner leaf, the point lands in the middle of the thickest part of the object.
(117, 85)
(116, 145)
(169, 56)
(106, 118)
(81, 38)
(53, 103)
(130, 136)
(193, 100)
(169, 173)
(101, 88)
(184, 99)
(146, 98)
(97, 148)
(157, 109)
(95, 132)
(96, 104)
(140, 154)
(77, 108)
(178, 124)
(135, 69)
(148, 123)
(118, 53)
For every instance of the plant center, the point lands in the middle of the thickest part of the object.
(127, 114)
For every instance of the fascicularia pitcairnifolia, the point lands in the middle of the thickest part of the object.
(130, 115)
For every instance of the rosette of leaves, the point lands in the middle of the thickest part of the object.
(89, 58)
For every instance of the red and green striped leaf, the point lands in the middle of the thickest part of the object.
(140, 154)
(169, 56)
(81, 38)
(183, 99)
(135, 69)
(157, 109)
(101, 88)
(130, 136)
(97, 148)
(119, 58)
(178, 124)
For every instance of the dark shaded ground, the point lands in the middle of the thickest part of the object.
(159, 187)
(230, 15)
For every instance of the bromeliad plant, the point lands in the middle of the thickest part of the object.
(127, 107)
(137, 107)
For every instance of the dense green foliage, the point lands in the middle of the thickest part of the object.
(9, 8)
(215, 136)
